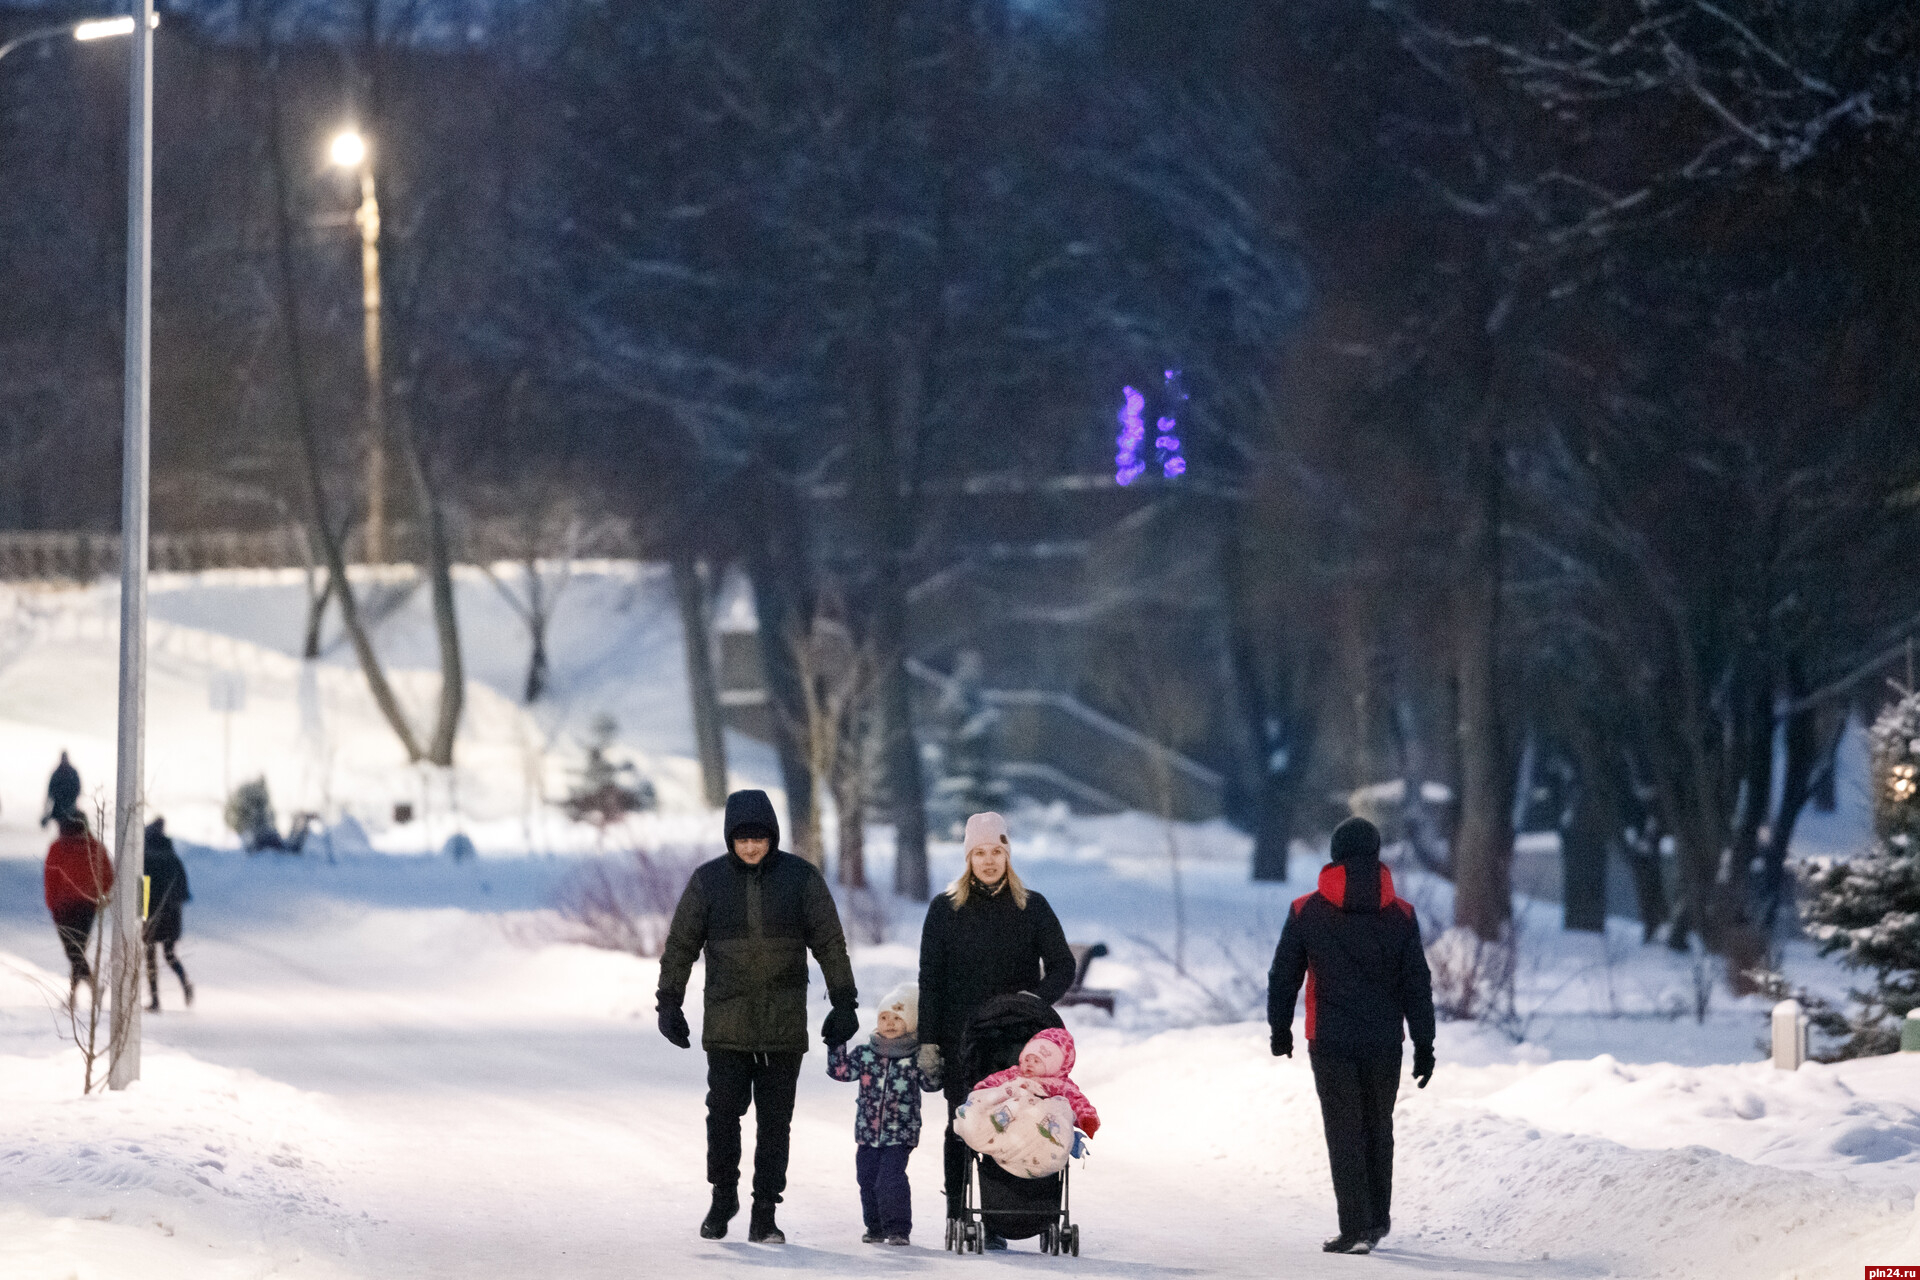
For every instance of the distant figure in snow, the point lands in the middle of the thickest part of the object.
(63, 792)
(78, 879)
(756, 912)
(886, 1120)
(166, 895)
(1357, 946)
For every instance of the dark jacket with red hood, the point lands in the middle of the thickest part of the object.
(1357, 947)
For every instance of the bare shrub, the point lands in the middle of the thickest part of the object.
(625, 901)
(1473, 979)
(865, 916)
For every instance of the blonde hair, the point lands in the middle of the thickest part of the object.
(961, 888)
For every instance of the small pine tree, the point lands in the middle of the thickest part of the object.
(607, 790)
(250, 816)
(1868, 909)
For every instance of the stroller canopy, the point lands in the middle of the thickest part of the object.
(999, 1029)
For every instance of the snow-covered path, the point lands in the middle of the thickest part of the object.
(374, 1091)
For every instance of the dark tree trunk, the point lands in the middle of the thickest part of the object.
(537, 663)
(1811, 735)
(1279, 802)
(316, 617)
(850, 801)
(778, 570)
(1584, 841)
(703, 689)
(1483, 845)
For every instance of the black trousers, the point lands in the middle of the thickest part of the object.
(768, 1081)
(73, 924)
(1357, 1089)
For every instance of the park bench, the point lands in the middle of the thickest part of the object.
(1084, 954)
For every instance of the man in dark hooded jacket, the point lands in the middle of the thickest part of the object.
(1358, 948)
(756, 912)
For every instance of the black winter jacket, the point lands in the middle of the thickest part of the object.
(756, 925)
(167, 877)
(989, 947)
(1358, 948)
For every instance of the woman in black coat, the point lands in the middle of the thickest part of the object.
(987, 935)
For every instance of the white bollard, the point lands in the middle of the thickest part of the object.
(1789, 1035)
(1910, 1032)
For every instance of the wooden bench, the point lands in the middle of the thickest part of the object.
(1084, 955)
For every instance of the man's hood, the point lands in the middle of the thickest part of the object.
(1360, 885)
(751, 808)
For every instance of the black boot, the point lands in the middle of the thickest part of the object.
(1344, 1243)
(1379, 1232)
(726, 1203)
(996, 1241)
(762, 1229)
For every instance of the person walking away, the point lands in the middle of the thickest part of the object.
(987, 935)
(166, 894)
(756, 912)
(77, 879)
(63, 791)
(886, 1119)
(1357, 946)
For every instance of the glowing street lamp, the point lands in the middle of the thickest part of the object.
(91, 29)
(349, 151)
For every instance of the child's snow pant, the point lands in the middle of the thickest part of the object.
(1357, 1088)
(886, 1200)
(73, 924)
(768, 1081)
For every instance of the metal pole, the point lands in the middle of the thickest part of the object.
(129, 783)
(369, 220)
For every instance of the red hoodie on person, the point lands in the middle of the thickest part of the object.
(78, 873)
(1357, 946)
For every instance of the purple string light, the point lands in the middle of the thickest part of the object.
(1167, 444)
(1127, 465)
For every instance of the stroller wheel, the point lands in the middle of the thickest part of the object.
(1050, 1241)
(1073, 1240)
(951, 1224)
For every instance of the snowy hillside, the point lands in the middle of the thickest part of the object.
(400, 1067)
(313, 731)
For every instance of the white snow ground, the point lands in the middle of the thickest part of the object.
(394, 1070)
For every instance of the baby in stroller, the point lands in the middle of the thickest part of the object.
(1044, 1063)
(1020, 1124)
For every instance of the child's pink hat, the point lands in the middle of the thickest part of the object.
(1064, 1038)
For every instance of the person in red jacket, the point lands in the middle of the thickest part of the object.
(79, 877)
(1357, 946)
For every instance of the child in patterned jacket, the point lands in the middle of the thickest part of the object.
(893, 1070)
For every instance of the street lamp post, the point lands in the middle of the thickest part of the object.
(349, 151)
(123, 915)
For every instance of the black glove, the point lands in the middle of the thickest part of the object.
(1423, 1064)
(1283, 1042)
(673, 1025)
(842, 1025)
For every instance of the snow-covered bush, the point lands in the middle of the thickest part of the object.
(1868, 909)
(1473, 979)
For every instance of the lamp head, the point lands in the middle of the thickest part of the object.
(349, 150)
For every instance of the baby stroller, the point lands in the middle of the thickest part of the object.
(997, 1201)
